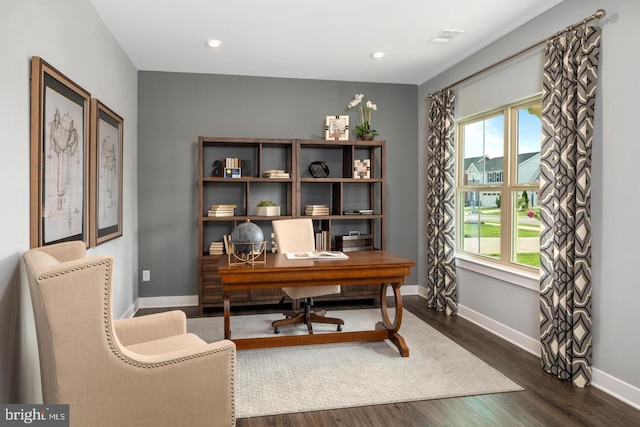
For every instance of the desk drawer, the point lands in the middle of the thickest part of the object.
(360, 291)
(212, 294)
(266, 295)
(210, 276)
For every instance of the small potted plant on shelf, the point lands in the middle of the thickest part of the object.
(267, 208)
(365, 106)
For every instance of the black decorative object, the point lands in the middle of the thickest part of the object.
(245, 165)
(319, 169)
(217, 168)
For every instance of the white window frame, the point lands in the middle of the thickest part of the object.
(525, 276)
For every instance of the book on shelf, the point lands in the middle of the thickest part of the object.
(322, 240)
(231, 162)
(220, 213)
(221, 210)
(357, 212)
(316, 210)
(316, 255)
(276, 173)
(222, 207)
(227, 245)
(216, 248)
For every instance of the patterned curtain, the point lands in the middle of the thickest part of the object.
(442, 293)
(569, 88)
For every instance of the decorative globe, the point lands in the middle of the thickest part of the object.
(247, 232)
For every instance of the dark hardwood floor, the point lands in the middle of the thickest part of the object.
(545, 401)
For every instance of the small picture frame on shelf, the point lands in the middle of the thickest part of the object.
(233, 173)
(337, 128)
(362, 168)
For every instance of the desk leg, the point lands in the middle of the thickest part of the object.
(227, 315)
(386, 323)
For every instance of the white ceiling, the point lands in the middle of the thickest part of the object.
(326, 40)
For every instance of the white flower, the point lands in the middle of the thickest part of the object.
(365, 107)
(357, 99)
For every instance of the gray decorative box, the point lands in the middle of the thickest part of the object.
(354, 242)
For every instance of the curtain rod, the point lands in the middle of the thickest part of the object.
(599, 14)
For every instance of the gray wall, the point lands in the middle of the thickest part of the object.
(176, 108)
(70, 36)
(615, 192)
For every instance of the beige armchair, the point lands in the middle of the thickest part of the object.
(143, 371)
(297, 235)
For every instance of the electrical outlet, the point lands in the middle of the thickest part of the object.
(146, 275)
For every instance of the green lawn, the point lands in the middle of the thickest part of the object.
(530, 259)
(493, 230)
(488, 230)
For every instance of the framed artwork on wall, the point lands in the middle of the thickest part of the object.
(337, 127)
(59, 157)
(105, 184)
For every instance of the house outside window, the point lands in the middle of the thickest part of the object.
(498, 184)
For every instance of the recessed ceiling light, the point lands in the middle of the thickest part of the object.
(377, 54)
(214, 43)
(445, 36)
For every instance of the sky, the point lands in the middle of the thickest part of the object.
(487, 136)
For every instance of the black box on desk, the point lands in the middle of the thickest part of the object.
(354, 242)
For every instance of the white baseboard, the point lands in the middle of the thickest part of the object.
(168, 301)
(600, 380)
(616, 388)
(406, 290)
(131, 311)
(514, 337)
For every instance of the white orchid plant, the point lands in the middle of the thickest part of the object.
(365, 106)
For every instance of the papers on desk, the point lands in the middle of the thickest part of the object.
(316, 255)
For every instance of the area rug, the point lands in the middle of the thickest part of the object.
(330, 376)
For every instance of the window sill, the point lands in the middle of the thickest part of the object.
(514, 276)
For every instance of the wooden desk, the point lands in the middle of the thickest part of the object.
(364, 267)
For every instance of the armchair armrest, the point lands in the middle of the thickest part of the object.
(200, 380)
(151, 327)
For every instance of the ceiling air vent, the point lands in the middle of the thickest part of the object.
(445, 36)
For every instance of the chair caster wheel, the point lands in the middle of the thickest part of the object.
(276, 330)
(339, 328)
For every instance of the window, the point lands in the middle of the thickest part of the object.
(498, 184)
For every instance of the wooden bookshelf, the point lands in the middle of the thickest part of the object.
(340, 191)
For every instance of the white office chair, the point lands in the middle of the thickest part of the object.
(297, 235)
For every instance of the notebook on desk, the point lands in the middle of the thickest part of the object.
(316, 255)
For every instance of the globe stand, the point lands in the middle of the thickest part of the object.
(247, 253)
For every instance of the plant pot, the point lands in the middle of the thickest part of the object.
(366, 137)
(268, 211)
